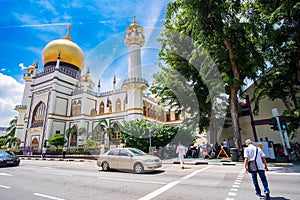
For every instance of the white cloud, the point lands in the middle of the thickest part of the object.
(2, 69)
(11, 92)
(22, 66)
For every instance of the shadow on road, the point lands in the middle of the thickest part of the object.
(279, 198)
(130, 171)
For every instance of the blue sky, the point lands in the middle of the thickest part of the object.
(98, 28)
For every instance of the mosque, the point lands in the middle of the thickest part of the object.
(61, 97)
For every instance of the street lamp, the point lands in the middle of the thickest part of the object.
(150, 140)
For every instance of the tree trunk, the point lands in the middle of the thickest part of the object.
(235, 116)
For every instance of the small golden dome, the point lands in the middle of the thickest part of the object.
(69, 52)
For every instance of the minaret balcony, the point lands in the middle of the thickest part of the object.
(136, 80)
(21, 108)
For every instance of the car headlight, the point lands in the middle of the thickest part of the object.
(149, 161)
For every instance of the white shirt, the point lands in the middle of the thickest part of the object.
(250, 152)
(181, 150)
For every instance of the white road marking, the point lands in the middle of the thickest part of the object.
(171, 184)
(47, 196)
(235, 185)
(6, 187)
(4, 174)
(231, 194)
(128, 180)
(279, 173)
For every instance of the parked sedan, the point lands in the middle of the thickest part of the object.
(128, 158)
(8, 158)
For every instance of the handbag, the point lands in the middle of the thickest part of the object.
(252, 166)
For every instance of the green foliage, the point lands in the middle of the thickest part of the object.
(57, 140)
(278, 38)
(221, 30)
(11, 130)
(135, 133)
(3, 141)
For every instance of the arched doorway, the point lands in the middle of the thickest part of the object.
(35, 144)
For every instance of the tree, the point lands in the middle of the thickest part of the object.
(218, 28)
(57, 140)
(69, 133)
(135, 133)
(11, 130)
(279, 39)
(10, 138)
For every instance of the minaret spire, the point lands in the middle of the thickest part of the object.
(68, 33)
(58, 61)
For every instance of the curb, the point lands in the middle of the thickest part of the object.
(228, 163)
(56, 159)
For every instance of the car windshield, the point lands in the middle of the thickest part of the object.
(137, 152)
(10, 153)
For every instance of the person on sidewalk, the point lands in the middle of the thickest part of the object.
(249, 155)
(64, 152)
(44, 150)
(181, 151)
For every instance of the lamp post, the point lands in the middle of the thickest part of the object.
(283, 140)
(150, 140)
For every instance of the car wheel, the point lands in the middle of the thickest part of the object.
(105, 166)
(3, 164)
(138, 168)
(16, 163)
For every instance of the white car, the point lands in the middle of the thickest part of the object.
(128, 158)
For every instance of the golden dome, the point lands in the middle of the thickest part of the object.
(69, 52)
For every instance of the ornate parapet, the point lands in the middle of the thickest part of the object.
(135, 80)
(21, 108)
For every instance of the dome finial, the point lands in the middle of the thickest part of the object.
(68, 33)
(134, 20)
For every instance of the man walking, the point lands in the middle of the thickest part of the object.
(64, 152)
(249, 155)
(181, 150)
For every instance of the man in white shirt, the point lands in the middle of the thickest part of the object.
(181, 150)
(249, 155)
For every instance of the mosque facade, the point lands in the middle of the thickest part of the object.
(62, 97)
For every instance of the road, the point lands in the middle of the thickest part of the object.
(59, 180)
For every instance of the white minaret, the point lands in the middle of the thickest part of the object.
(135, 84)
(31, 71)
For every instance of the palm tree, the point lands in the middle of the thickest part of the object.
(69, 133)
(11, 130)
(108, 128)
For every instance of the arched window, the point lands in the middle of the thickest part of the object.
(93, 112)
(74, 108)
(38, 115)
(118, 105)
(109, 105)
(79, 108)
(101, 108)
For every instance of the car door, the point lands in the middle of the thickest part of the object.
(125, 159)
(113, 158)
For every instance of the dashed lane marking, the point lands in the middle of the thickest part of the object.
(47, 196)
(4, 186)
(235, 186)
(5, 174)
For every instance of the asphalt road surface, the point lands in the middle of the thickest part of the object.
(60, 180)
